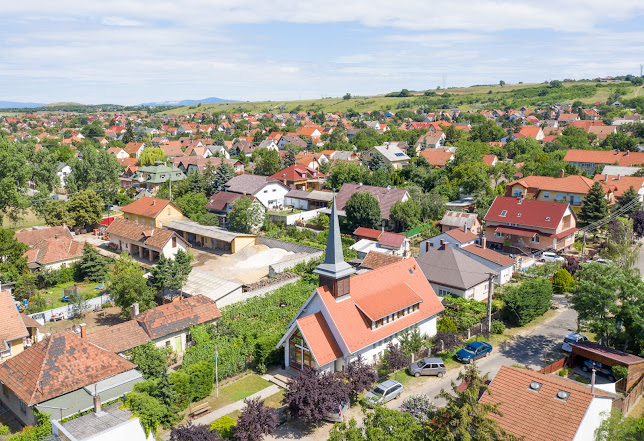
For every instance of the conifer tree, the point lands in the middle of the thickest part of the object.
(595, 205)
(93, 267)
(631, 196)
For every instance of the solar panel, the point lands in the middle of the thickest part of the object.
(399, 154)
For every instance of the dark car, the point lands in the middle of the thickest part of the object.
(427, 366)
(600, 368)
(473, 351)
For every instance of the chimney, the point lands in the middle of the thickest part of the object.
(134, 309)
(97, 403)
(83, 330)
(619, 177)
(465, 228)
(592, 381)
(606, 177)
(483, 242)
(561, 173)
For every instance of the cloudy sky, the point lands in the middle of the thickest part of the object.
(132, 51)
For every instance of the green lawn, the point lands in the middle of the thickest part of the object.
(54, 295)
(236, 391)
(28, 219)
(275, 400)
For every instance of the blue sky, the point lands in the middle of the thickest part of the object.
(132, 51)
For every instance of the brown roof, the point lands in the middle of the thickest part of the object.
(621, 183)
(147, 206)
(29, 322)
(250, 184)
(461, 236)
(488, 254)
(220, 199)
(375, 260)
(613, 354)
(538, 415)
(318, 336)
(385, 196)
(54, 250)
(31, 236)
(392, 240)
(59, 364)
(12, 327)
(177, 316)
(119, 338)
(144, 234)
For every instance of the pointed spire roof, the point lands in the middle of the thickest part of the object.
(334, 265)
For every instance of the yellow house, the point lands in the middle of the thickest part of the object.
(571, 189)
(153, 211)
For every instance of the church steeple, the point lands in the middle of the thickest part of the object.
(334, 272)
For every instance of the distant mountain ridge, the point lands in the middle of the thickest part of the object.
(18, 105)
(210, 100)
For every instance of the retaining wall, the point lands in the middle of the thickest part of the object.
(288, 246)
(239, 296)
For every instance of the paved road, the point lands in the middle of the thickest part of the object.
(640, 259)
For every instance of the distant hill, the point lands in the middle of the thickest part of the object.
(63, 104)
(210, 100)
(18, 105)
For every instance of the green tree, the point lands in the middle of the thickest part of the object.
(150, 411)
(562, 281)
(464, 417)
(98, 170)
(85, 208)
(347, 96)
(630, 199)
(44, 175)
(621, 247)
(193, 205)
(150, 360)
(268, 162)
(129, 135)
(405, 213)
(55, 213)
(224, 173)
(595, 206)
(288, 159)
(487, 132)
(162, 275)
(245, 216)
(616, 427)
(13, 262)
(380, 425)
(527, 301)
(128, 286)
(150, 155)
(377, 162)
(15, 172)
(93, 130)
(363, 210)
(93, 266)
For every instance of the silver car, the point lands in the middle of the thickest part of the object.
(428, 366)
(337, 416)
(548, 256)
(383, 392)
(573, 337)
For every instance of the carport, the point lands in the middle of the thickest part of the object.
(609, 357)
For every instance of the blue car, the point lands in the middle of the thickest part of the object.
(473, 351)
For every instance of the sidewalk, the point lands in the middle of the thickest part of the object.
(238, 405)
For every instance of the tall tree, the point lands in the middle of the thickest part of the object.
(85, 208)
(621, 247)
(150, 155)
(93, 266)
(255, 421)
(405, 213)
(129, 135)
(15, 172)
(128, 286)
(360, 376)
(224, 173)
(464, 417)
(55, 213)
(377, 162)
(630, 199)
(595, 206)
(13, 262)
(312, 394)
(363, 210)
(267, 162)
(98, 170)
(162, 274)
(182, 267)
(246, 216)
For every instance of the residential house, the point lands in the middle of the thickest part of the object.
(172, 149)
(219, 150)
(118, 152)
(268, 144)
(13, 333)
(386, 198)
(589, 160)
(221, 203)
(167, 326)
(151, 177)
(301, 177)
(539, 407)
(308, 200)
(63, 171)
(456, 237)
(615, 170)
(602, 132)
(500, 264)
(212, 237)
(134, 149)
(383, 242)
(530, 225)
(49, 247)
(152, 211)
(567, 117)
(60, 376)
(437, 157)
(146, 242)
(572, 189)
(268, 190)
(392, 155)
(430, 140)
(349, 316)
(290, 138)
(534, 132)
(620, 184)
(490, 160)
(450, 271)
(126, 176)
(457, 219)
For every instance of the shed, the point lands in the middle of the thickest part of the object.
(609, 357)
(211, 237)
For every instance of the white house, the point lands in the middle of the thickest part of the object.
(357, 315)
(63, 171)
(146, 242)
(269, 191)
(394, 156)
(456, 238)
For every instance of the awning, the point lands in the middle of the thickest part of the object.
(516, 231)
(563, 234)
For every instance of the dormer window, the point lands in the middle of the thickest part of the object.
(395, 316)
(504, 213)
(548, 219)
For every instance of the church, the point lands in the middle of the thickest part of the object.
(350, 314)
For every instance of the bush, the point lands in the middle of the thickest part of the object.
(620, 372)
(527, 301)
(564, 372)
(498, 327)
(224, 426)
(202, 377)
(446, 324)
(419, 406)
(562, 281)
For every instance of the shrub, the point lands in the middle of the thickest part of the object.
(498, 327)
(620, 372)
(202, 377)
(419, 406)
(450, 341)
(224, 426)
(446, 324)
(410, 342)
(562, 281)
(564, 372)
(527, 301)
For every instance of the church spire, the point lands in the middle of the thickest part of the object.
(334, 267)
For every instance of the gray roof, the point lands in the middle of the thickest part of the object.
(452, 268)
(209, 285)
(386, 196)
(457, 219)
(615, 170)
(205, 230)
(298, 194)
(334, 265)
(89, 425)
(249, 184)
(317, 195)
(342, 155)
(392, 152)
(465, 201)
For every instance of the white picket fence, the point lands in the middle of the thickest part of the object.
(67, 311)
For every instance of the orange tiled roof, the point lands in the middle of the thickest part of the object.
(569, 184)
(119, 338)
(146, 206)
(375, 260)
(488, 254)
(12, 327)
(605, 157)
(318, 336)
(437, 157)
(461, 236)
(32, 236)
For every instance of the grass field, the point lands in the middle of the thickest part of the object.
(54, 295)
(28, 219)
(474, 95)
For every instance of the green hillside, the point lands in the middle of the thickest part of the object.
(465, 98)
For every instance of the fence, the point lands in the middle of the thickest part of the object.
(291, 219)
(554, 367)
(67, 311)
(633, 397)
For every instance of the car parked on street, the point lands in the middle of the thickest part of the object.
(337, 416)
(474, 351)
(548, 256)
(427, 366)
(573, 337)
(383, 392)
(607, 371)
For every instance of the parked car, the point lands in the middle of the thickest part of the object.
(473, 351)
(573, 337)
(587, 366)
(337, 416)
(548, 256)
(601, 261)
(428, 366)
(383, 392)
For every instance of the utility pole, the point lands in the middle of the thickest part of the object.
(583, 247)
(490, 292)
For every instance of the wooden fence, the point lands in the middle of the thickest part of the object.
(554, 367)
(633, 397)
